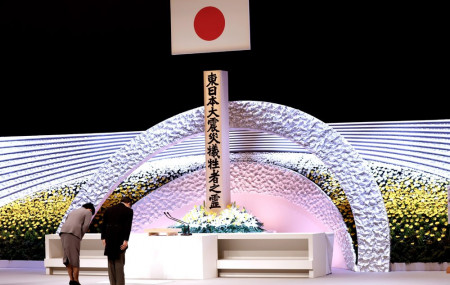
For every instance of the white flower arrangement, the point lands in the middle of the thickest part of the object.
(231, 220)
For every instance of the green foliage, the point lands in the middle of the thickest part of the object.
(225, 229)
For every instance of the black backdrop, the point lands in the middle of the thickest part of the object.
(84, 66)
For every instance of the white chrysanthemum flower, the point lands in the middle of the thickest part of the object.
(232, 215)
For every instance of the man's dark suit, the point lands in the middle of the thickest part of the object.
(116, 229)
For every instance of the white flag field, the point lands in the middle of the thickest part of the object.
(200, 26)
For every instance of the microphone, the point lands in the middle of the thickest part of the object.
(185, 228)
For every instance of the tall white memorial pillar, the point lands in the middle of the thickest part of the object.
(216, 140)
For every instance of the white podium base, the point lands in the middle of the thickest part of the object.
(171, 257)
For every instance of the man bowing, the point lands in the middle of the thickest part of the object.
(116, 228)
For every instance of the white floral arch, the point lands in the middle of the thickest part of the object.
(249, 177)
(317, 137)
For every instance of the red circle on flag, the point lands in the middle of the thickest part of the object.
(209, 23)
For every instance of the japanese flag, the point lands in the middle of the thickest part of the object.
(200, 26)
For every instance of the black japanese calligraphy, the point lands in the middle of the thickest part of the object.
(213, 141)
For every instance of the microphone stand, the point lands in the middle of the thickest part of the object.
(185, 228)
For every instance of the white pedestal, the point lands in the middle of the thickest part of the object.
(171, 257)
(275, 254)
(203, 256)
(92, 260)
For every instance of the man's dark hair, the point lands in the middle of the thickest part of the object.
(90, 206)
(125, 200)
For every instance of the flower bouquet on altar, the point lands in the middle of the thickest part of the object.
(230, 220)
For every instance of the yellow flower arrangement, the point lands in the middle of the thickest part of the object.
(26, 221)
(416, 205)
